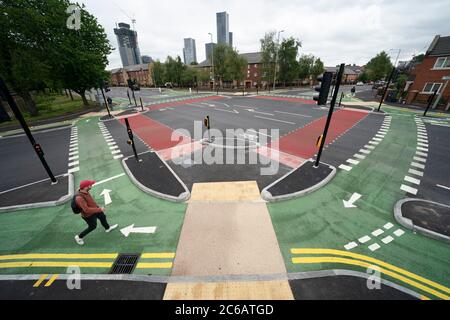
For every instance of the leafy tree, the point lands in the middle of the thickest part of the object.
(317, 68)
(235, 66)
(305, 65)
(174, 70)
(159, 71)
(379, 67)
(203, 75)
(188, 77)
(287, 60)
(220, 61)
(268, 49)
(363, 77)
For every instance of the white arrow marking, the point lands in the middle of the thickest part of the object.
(353, 199)
(131, 229)
(105, 194)
(254, 111)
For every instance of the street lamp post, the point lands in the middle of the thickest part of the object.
(399, 50)
(276, 59)
(212, 60)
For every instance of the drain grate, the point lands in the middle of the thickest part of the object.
(125, 264)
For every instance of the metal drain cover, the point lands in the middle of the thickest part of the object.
(125, 263)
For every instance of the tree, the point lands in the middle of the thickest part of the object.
(235, 66)
(287, 60)
(268, 50)
(220, 61)
(317, 68)
(379, 67)
(188, 77)
(305, 65)
(159, 71)
(363, 77)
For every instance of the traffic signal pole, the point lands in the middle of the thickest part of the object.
(330, 113)
(131, 137)
(385, 89)
(37, 147)
(106, 103)
(430, 101)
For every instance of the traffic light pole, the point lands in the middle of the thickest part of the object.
(142, 105)
(37, 148)
(131, 141)
(134, 98)
(385, 89)
(128, 95)
(430, 101)
(106, 103)
(342, 96)
(330, 113)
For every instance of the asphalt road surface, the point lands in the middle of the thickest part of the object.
(19, 164)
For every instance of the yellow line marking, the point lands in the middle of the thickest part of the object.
(162, 265)
(368, 265)
(41, 279)
(162, 255)
(59, 256)
(370, 259)
(30, 264)
(51, 280)
(424, 298)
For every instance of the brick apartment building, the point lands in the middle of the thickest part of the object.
(427, 77)
(253, 73)
(140, 72)
(351, 73)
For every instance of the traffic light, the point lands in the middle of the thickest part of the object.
(324, 88)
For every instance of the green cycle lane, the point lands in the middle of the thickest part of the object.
(320, 220)
(52, 230)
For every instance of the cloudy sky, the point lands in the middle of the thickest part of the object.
(337, 31)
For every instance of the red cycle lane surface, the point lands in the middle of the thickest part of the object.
(302, 142)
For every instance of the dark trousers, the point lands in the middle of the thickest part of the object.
(92, 223)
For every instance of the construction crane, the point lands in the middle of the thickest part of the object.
(133, 19)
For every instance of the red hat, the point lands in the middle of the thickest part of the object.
(86, 183)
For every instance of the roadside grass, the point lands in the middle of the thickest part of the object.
(52, 105)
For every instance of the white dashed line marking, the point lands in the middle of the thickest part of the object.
(344, 167)
(118, 156)
(352, 161)
(350, 246)
(364, 239)
(364, 151)
(359, 156)
(399, 232)
(417, 165)
(420, 159)
(74, 170)
(387, 240)
(115, 152)
(374, 247)
(388, 226)
(412, 180)
(377, 232)
(73, 158)
(408, 189)
(417, 173)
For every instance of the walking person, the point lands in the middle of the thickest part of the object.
(110, 103)
(353, 91)
(90, 211)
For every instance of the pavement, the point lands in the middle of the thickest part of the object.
(226, 241)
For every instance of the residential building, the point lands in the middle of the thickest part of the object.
(189, 51)
(209, 47)
(253, 73)
(350, 75)
(146, 59)
(426, 77)
(139, 72)
(128, 45)
(223, 32)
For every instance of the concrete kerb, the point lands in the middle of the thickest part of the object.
(408, 223)
(60, 201)
(206, 279)
(266, 195)
(37, 131)
(181, 198)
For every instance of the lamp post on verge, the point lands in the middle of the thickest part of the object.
(212, 60)
(276, 59)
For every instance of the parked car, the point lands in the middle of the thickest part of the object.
(359, 83)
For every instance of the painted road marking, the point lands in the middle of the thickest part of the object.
(73, 149)
(443, 187)
(359, 156)
(399, 232)
(420, 159)
(364, 239)
(40, 280)
(113, 147)
(355, 162)
(364, 151)
(369, 147)
(350, 246)
(118, 156)
(422, 140)
(73, 153)
(417, 165)
(377, 139)
(422, 154)
(275, 120)
(344, 167)
(374, 247)
(422, 149)
(380, 136)
(73, 158)
(112, 143)
(267, 135)
(377, 232)
(417, 173)
(374, 142)
(388, 226)
(383, 130)
(294, 114)
(387, 240)
(408, 189)
(350, 203)
(75, 163)
(109, 140)
(425, 145)
(51, 280)
(115, 151)
(412, 180)
(76, 169)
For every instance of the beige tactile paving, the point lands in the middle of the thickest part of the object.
(226, 191)
(252, 290)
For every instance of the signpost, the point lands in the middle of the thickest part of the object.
(131, 139)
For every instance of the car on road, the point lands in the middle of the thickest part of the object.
(359, 83)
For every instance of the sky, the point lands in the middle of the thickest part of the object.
(339, 31)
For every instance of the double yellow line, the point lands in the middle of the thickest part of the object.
(46, 260)
(354, 259)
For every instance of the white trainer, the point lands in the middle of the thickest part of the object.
(79, 240)
(111, 228)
